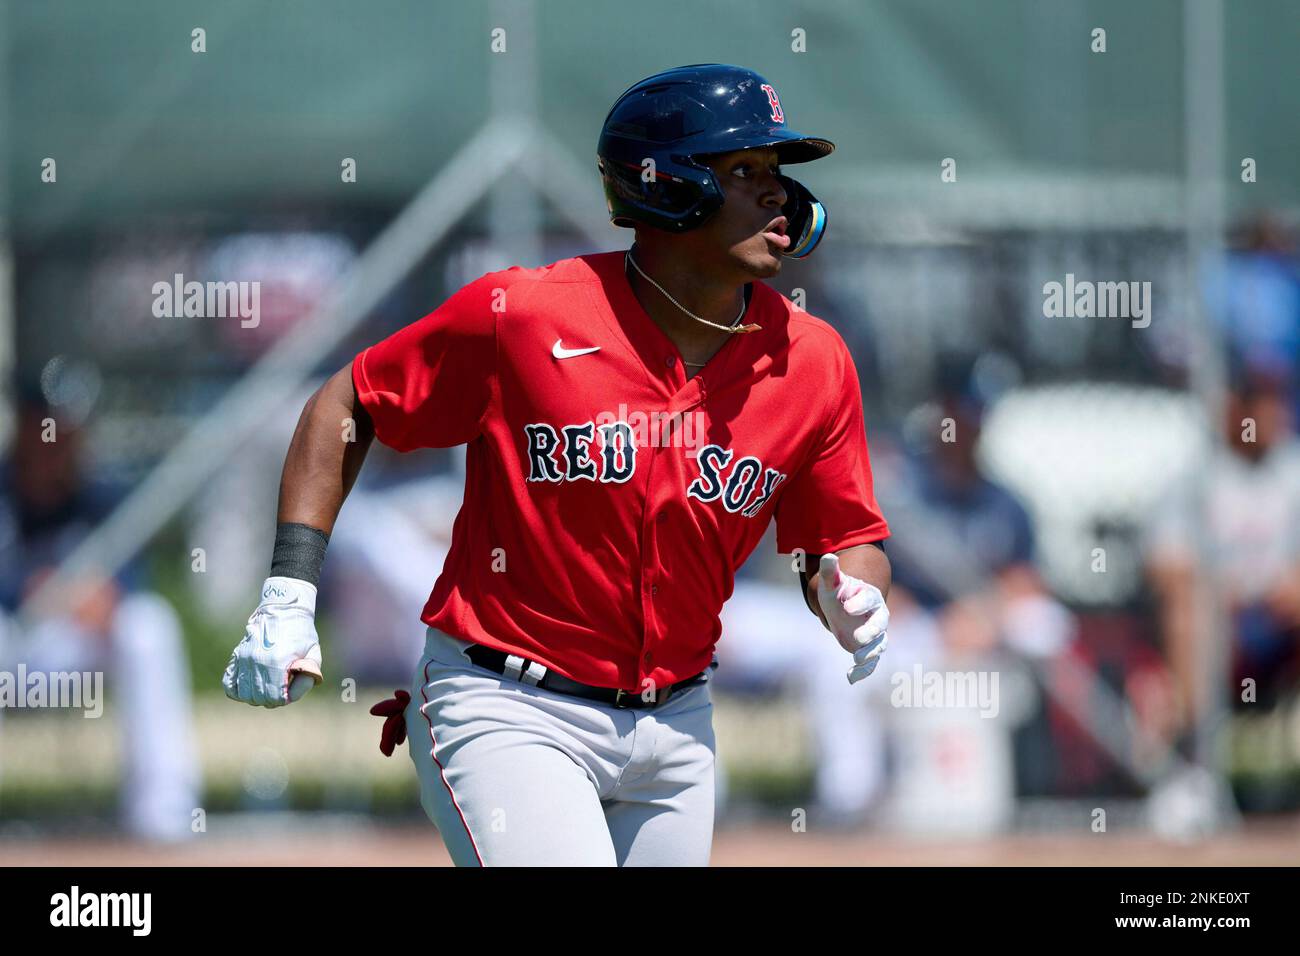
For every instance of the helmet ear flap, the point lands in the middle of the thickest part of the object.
(807, 218)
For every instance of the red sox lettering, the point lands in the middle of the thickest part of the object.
(569, 458)
(617, 452)
(734, 492)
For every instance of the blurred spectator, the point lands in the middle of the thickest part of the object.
(47, 508)
(966, 545)
(963, 554)
(1259, 311)
(1253, 499)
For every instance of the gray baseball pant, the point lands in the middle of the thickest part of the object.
(516, 775)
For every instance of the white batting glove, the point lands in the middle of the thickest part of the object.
(856, 614)
(279, 659)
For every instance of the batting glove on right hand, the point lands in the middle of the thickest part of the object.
(279, 659)
(856, 614)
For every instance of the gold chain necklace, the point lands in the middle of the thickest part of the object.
(735, 325)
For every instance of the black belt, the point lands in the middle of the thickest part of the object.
(496, 661)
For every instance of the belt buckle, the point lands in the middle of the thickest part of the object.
(619, 694)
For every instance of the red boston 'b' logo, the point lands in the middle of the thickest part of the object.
(777, 115)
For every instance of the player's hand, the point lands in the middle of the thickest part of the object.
(279, 658)
(856, 614)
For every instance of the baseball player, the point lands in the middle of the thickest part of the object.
(633, 421)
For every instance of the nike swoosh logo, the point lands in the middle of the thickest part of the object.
(560, 352)
(267, 643)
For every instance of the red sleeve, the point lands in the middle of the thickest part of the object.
(830, 503)
(430, 385)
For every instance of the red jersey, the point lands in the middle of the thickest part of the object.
(609, 500)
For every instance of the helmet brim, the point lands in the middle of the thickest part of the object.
(790, 147)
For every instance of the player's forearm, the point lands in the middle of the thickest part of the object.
(325, 455)
(866, 562)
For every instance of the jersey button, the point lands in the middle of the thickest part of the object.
(649, 658)
(670, 361)
(660, 516)
(654, 589)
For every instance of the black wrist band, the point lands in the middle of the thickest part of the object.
(299, 552)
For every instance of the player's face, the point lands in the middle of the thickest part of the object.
(741, 231)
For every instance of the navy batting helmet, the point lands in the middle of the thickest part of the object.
(674, 118)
